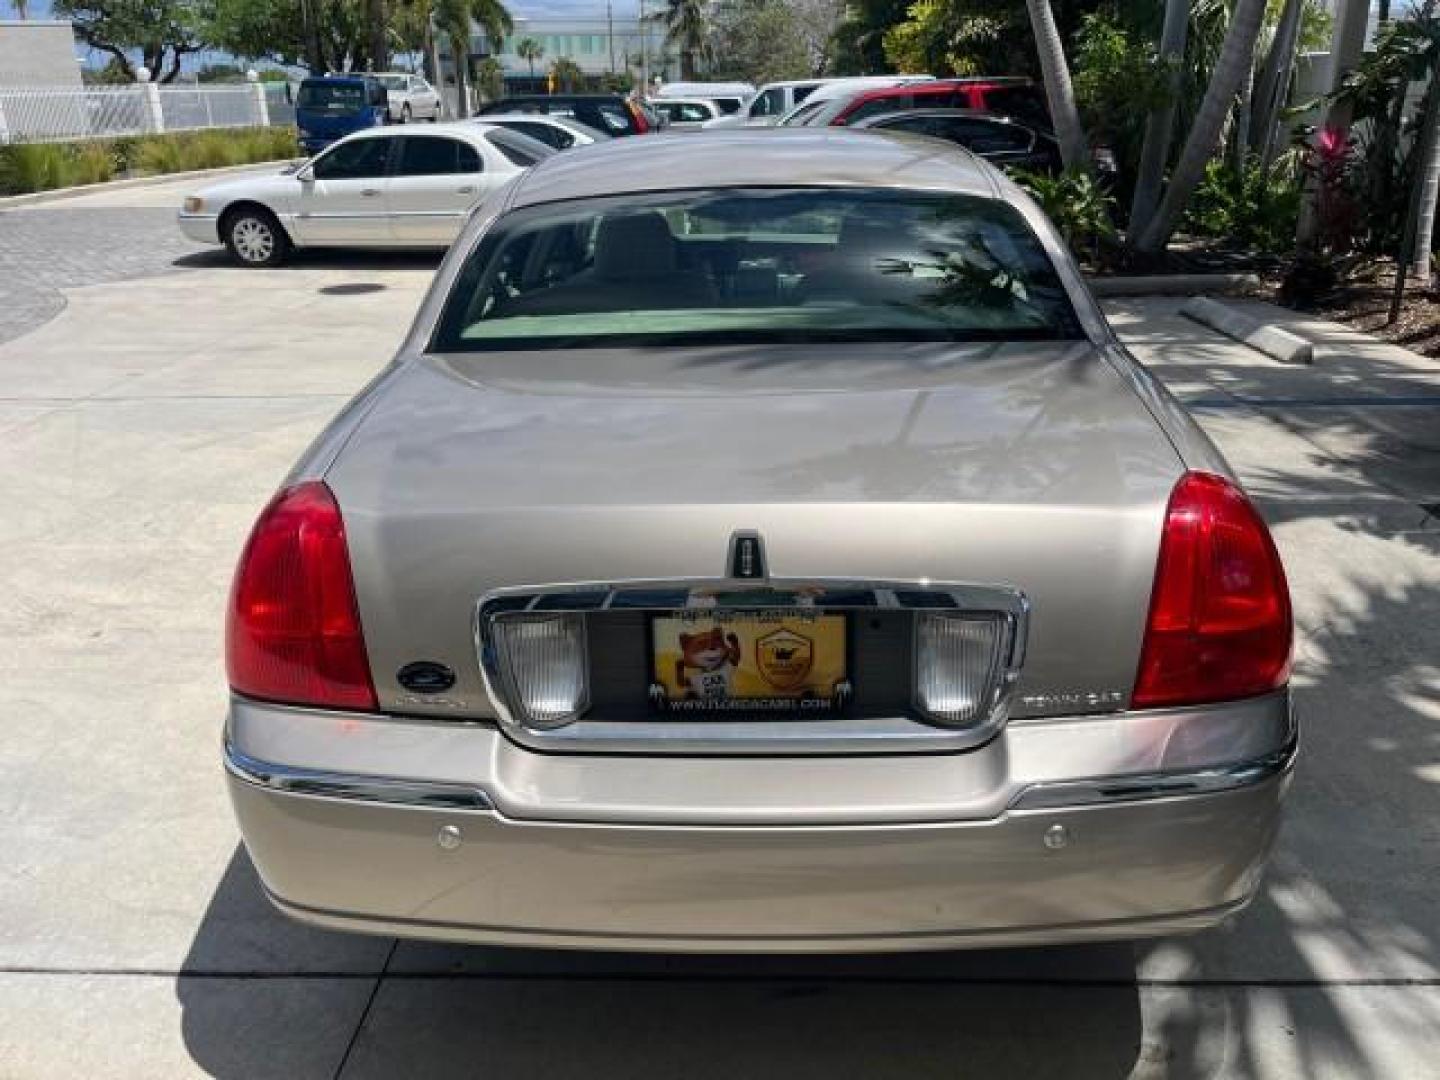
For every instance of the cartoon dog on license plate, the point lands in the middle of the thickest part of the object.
(707, 663)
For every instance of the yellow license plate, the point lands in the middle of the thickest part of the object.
(714, 661)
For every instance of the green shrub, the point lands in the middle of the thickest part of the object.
(158, 154)
(30, 167)
(1119, 79)
(1249, 207)
(1081, 209)
(93, 163)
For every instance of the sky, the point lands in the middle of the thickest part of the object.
(532, 9)
(40, 9)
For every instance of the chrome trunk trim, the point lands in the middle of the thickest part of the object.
(379, 789)
(1102, 790)
(873, 735)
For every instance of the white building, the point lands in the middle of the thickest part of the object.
(38, 52)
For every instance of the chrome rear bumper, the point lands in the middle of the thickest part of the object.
(202, 228)
(1062, 858)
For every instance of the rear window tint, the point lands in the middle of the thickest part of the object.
(757, 266)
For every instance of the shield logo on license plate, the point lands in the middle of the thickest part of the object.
(784, 658)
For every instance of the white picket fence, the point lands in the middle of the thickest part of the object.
(96, 112)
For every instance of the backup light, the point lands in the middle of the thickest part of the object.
(958, 657)
(542, 665)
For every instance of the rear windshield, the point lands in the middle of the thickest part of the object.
(756, 265)
(520, 149)
(331, 96)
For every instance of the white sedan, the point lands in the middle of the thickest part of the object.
(383, 187)
(410, 97)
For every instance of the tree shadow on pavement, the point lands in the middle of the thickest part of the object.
(1342, 460)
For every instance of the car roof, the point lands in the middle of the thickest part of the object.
(938, 86)
(528, 117)
(793, 82)
(749, 157)
(911, 114)
(560, 97)
(567, 123)
(346, 77)
(472, 130)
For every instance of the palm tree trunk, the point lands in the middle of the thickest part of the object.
(1426, 184)
(1274, 88)
(460, 50)
(1243, 99)
(1155, 151)
(1237, 53)
(379, 40)
(1074, 147)
(432, 61)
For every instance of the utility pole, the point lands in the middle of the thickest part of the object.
(432, 61)
(644, 52)
(610, 32)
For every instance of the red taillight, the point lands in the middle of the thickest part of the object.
(1219, 624)
(293, 630)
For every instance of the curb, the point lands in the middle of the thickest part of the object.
(1262, 336)
(60, 194)
(1171, 284)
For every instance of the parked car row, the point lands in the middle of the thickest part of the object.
(384, 186)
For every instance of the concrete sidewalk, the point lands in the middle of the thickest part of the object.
(146, 424)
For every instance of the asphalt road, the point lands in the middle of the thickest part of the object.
(151, 397)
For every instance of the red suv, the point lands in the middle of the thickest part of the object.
(1013, 97)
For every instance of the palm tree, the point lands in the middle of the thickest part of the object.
(490, 78)
(455, 19)
(530, 50)
(567, 74)
(686, 30)
(22, 9)
(1074, 147)
(1237, 56)
(1274, 85)
(1159, 128)
(1425, 187)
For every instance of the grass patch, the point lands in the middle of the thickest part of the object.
(46, 166)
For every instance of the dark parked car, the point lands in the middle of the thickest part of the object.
(613, 114)
(998, 139)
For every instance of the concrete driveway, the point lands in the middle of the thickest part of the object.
(145, 418)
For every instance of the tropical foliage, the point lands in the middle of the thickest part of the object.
(1250, 207)
(757, 41)
(687, 32)
(946, 37)
(567, 74)
(1081, 209)
(531, 51)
